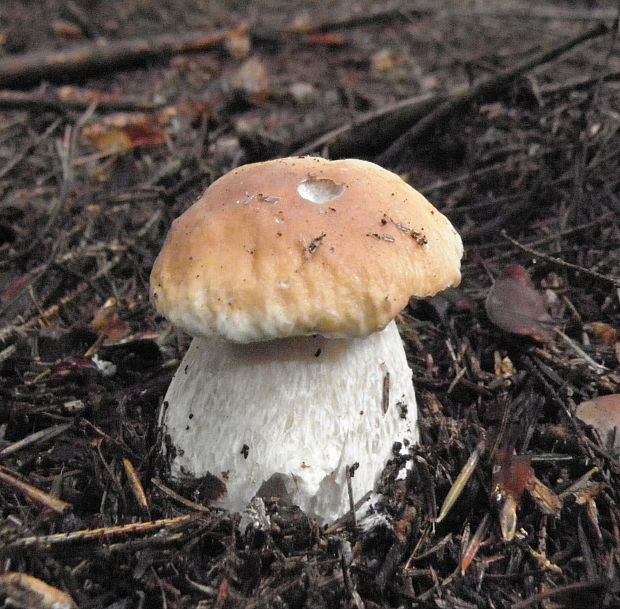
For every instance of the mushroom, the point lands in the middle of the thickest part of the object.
(289, 274)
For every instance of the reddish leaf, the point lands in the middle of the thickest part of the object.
(513, 474)
(514, 305)
(78, 367)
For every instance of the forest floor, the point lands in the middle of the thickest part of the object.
(505, 115)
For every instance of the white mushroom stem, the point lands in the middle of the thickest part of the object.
(286, 417)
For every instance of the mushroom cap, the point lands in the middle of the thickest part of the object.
(300, 246)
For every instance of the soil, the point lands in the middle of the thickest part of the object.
(97, 160)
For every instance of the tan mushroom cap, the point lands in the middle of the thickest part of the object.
(300, 246)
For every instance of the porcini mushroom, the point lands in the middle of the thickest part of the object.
(289, 274)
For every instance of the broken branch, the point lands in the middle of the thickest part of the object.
(484, 89)
(101, 56)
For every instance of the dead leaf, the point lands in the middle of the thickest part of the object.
(514, 305)
(512, 475)
(108, 322)
(251, 81)
(28, 592)
(81, 368)
(605, 333)
(124, 131)
(603, 414)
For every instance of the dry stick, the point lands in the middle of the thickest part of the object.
(84, 59)
(34, 438)
(373, 127)
(385, 14)
(351, 500)
(102, 534)
(482, 90)
(560, 262)
(568, 588)
(607, 217)
(370, 128)
(34, 494)
(512, 10)
(577, 84)
(527, 11)
(22, 100)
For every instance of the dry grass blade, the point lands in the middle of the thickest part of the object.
(473, 546)
(198, 507)
(135, 485)
(461, 480)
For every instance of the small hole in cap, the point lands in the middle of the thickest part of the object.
(320, 190)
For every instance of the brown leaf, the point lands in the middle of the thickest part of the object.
(251, 81)
(603, 414)
(31, 593)
(124, 131)
(514, 305)
(108, 322)
(512, 476)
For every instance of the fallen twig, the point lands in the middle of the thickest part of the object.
(21, 100)
(567, 589)
(559, 262)
(84, 59)
(34, 438)
(577, 83)
(102, 534)
(373, 129)
(34, 494)
(483, 90)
